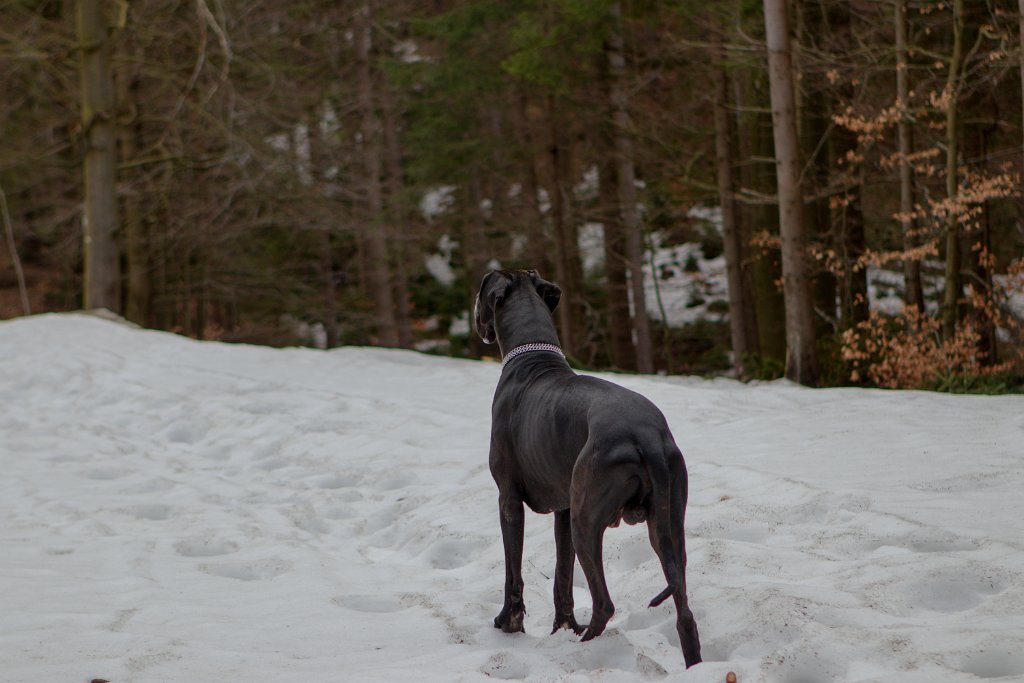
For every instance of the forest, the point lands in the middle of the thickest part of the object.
(833, 187)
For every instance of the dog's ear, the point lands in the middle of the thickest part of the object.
(549, 291)
(493, 289)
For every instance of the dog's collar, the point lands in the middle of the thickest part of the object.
(527, 348)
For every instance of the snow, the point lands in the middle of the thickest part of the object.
(439, 264)
(687, 283)
(685, 295)
(437, 201)
(175, 510)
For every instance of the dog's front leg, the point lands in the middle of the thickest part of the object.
(510, 620)
(565, 561)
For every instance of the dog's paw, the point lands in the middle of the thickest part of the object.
(592, 631)
(510, 620)
(567, 622)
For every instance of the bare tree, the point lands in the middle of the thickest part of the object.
(379, 274)
(620, 335)
(13, 249)
(743, 340)
(1020, 18)
(801, 357)
(533, 218)
(102, 270)
(914, 293)
(395, 184)
(568, 269)
(951, 94)
(626, 176)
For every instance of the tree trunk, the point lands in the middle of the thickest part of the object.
(620, 335)
(138, 294)
(396, 216)
(202, 298)
(102, 279)
(318, 143)
(379, 275)
(801, 356)
(767, 323)
(626, 176)
(330, 287)
(982, 250)
(914, 291)
(475, 252)
(848, 216)
(951, 294)
(1020, 18)
(537, 250)
(739, 296)
(814, 115)
(745, 123)
(568, 270)
(766, 269)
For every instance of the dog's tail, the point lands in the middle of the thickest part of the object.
(668, 493)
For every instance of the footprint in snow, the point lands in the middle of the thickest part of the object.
(373, 604)
(332, 482)
(205, 547)
(105, 473)
(156, 485)
(975, 481)
(995, 662)
(946, 589)
(259, 570)
(153, 513)
(185, 432)
(506, 666)
(396, 481)
(452, 554)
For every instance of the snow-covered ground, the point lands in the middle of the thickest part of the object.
(172, 510)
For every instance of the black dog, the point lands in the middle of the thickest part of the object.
(588, 450)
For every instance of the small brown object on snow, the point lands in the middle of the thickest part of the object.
(99, 680)
(730, 677)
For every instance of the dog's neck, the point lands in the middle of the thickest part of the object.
(524, 319)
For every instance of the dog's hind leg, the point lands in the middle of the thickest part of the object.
(665, 525)
(588, 536)
(598, 492)
(510, 508)
(686, 625)
(565, 560)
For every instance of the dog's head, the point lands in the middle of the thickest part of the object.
(495, 289)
